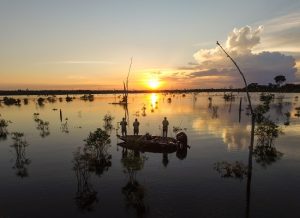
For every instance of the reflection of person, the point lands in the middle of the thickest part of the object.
(136, 125)
(123, 124)
(165, 124)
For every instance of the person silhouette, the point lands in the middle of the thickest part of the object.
(136, 125)
(123, 125)
(165, 124)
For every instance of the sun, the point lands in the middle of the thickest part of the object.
(153, 83)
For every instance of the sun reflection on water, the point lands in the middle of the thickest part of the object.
(154, 99)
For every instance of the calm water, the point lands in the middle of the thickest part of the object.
(40, 180)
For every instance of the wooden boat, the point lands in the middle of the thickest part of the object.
(148, 143)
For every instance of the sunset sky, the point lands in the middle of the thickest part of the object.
(76, 44)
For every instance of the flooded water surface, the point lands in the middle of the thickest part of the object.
(53, 165)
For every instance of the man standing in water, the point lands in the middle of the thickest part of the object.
(136, 125)
(123, 125)
(165, 124)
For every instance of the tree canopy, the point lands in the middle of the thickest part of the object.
(279, 79)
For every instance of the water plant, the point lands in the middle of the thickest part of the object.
(88, 97)
(41, 101)
(297, 114)
(237, 170)
(21, 162)
(96, 148)
(93, 157)
(86, 196)
(65, 127)
(11, 101)
(42, 126)
(68, 98)
(108, 118)
(25, 100)
(3, 128)
(134, 192)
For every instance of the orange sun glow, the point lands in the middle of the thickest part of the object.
(153, 83)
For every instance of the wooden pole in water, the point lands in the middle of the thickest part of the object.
(240, 109)
(60, 115)
(126, 87)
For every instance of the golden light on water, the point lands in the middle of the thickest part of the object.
(154, 99)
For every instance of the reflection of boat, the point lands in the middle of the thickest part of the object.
(155, 144)
(120, 102)
(153, 148)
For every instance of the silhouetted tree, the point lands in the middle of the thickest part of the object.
(96, 148)
(280, 79)
(92, 158)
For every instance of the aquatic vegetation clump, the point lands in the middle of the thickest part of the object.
(25, 100)
(133, 191)
(93, 157)
(235, 170)
(42, 126)
(108, 118)
(265, 152)
(209, 102)
(288, 116)
(228, 97)
(297, 114)
(144, 110)
(21, 161)
(3, 128)
(86, 196)
(134, 196)
(214, 110)
(65, 127)
(263, 108)
(41, 101)
(51, 99)
(266, 97)
(11, 101)
(266, 131)
(69, 99)
(266, 155)
(96, 148)
(88, 97)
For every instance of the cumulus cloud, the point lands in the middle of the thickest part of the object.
(244, 39)
(258, 67)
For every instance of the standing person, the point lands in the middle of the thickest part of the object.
(123, 125)
(136, 125)
(165, 124)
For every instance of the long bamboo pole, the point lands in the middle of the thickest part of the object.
(241, 73)
(128, 78)
(249, 173)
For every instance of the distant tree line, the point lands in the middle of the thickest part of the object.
(278, 86)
